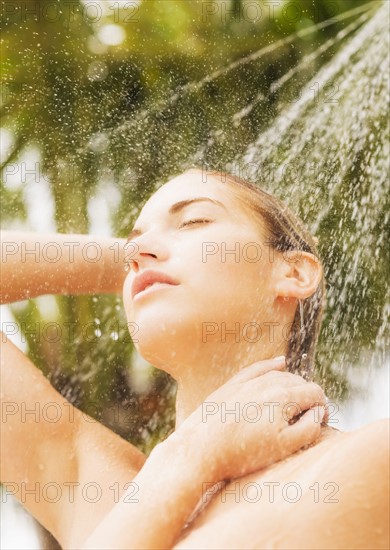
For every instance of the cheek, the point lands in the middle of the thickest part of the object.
(234, 276)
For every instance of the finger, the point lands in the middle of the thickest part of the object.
(302, 397)
(284, 378)
(306, 430)
(326, 415)
(259, 368)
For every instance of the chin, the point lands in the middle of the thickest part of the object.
(165, 341)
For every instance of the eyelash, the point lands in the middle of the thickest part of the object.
(200, 220)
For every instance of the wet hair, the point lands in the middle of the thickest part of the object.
(284, 232)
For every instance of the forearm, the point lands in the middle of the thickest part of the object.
(33, 264)
(165, 492)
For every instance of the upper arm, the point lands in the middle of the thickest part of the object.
(364, 487)
(353, 508)
(50, 450)
(37, 436)
(106, 466)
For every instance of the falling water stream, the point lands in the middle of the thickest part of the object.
(329, 153)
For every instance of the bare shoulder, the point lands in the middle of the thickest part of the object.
(371, 442)
(360, 459)
(357, 468)
(374, 429)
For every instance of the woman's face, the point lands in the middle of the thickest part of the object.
(224, 288)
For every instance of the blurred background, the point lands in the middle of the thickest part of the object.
(103, 101)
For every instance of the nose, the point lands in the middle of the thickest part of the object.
(145, 251)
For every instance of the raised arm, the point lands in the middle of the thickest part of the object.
(33, 264)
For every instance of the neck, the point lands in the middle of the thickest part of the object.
(197, 382)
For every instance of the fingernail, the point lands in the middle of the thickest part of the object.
(280, 358)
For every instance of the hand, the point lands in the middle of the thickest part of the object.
(247, 424)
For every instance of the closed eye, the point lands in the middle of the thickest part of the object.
(200, 220)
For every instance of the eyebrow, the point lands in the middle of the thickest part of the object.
(175, 208)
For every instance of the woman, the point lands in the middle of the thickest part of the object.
(226, 253)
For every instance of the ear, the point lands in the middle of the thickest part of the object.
(298, 274)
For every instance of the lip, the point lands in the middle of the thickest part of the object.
(149, 277)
